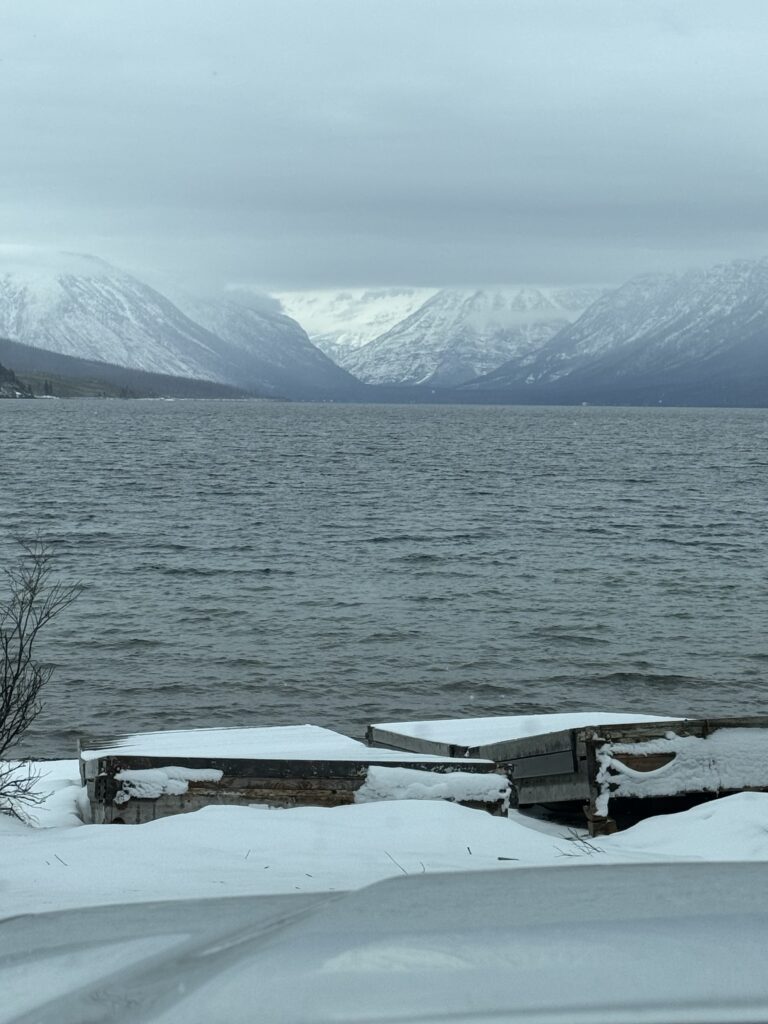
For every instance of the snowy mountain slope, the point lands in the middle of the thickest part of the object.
(82, 306)
(340, 321)
(457, 335)
(655, 327)
(267, 347)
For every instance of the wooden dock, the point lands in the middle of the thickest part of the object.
(612, 766)
(134, 779)
(607, 765)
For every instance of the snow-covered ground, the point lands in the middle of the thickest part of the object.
(59, 862)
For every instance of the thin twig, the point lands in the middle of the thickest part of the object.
(395, 862)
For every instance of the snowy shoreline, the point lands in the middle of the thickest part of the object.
(59, 862)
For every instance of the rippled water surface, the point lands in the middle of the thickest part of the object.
(265, 563)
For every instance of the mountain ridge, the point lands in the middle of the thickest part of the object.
(458, 334)
(703, 332)
(699, 336)
(268, 348)
(80, 305)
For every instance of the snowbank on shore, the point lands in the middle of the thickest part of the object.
(225, 851)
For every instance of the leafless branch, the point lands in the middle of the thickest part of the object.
(33, 599)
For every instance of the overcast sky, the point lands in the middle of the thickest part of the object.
(324, 143)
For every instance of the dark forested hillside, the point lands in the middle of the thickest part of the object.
(11, 386)
(67, 376)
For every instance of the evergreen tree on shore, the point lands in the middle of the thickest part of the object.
(11, 386)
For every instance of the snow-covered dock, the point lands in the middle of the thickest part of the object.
(611, 764)
(139, 778)
(600, 760)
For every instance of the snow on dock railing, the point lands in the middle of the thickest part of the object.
(591, 758)
(410, 784)
(724, 760)
(151, 783)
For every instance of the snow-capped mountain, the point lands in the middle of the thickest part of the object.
(82, 306)
(656, 330)
(340, 321)
(460, 334)
(267, 347)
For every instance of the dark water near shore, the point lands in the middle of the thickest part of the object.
(259, 563)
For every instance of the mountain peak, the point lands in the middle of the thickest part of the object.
(79, 305)
(653, 331)
(460, 333)
(31, 260)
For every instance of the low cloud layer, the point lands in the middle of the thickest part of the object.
(423, 142)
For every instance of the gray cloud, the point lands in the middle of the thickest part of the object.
(295, 143)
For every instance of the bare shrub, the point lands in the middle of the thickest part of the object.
(33, 599)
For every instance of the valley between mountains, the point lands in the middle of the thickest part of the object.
(696, 338)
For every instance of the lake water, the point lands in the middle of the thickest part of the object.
(255, 563)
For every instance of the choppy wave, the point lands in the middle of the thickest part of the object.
(261, 563)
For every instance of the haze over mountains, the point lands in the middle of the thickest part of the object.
(696, 338)
(267, 349)
(340, 321)
(82, 306)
